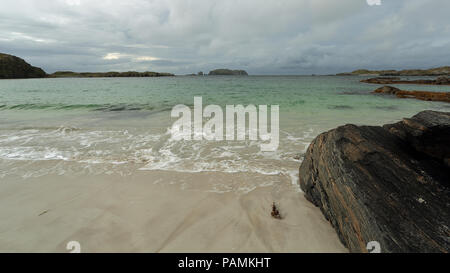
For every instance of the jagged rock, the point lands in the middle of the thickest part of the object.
(388, 184)
(427, 132)
(12, 67)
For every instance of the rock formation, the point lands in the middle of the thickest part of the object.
(421, 95)
(12, 67)
(387, 184)
(390, 80)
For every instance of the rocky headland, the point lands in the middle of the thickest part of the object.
(12, 67)
(395, 80)
(228, 72)
(421, 95)
(388, 184)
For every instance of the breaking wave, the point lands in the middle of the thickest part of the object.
(76, 150)
(92, 107)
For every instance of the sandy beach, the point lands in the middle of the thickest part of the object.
(146, 213)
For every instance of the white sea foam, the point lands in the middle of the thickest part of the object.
(121, 151)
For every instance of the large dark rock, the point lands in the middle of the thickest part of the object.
(12, 67)
(388, 184)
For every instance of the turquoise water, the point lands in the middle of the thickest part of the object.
(153, 94)
(121, 125)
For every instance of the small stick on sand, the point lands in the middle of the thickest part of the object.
(275, 213)
(44, 212)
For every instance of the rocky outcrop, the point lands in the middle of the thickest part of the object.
(12, 67)
(390, 80)
(228, 72)
(387, 184)
(387, 90)
(381, 80)
(442, 80)
(427, 133)
(421, 95)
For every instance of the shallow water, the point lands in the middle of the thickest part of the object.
(120, 126)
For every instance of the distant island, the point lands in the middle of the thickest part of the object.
(228, 72)
(112, 74)
(12, 67)
(439, 71)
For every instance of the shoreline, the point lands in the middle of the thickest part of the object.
(143, 213)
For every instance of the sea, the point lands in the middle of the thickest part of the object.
(122, 126)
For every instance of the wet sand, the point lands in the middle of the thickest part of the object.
(157, 211)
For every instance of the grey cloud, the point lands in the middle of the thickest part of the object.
(185, 36)
(164, 63)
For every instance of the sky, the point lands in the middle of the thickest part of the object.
(284, 37)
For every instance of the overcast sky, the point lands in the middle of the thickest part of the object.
(262, 37)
